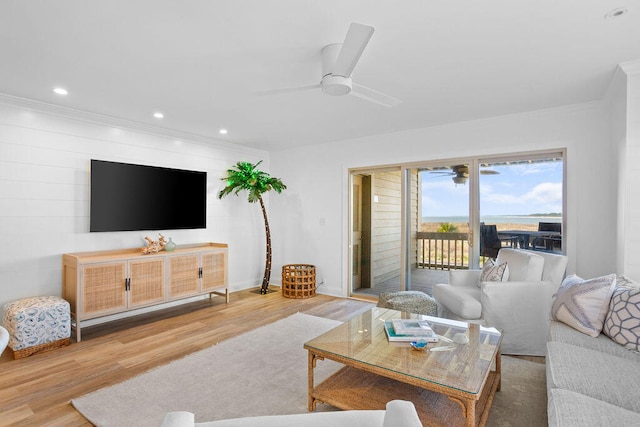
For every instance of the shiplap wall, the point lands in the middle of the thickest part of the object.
(45, 157)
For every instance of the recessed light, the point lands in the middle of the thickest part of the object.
(60, 91)
(223, 131)
(158, 115)
(616, 13)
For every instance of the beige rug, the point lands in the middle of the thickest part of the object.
(264, 372)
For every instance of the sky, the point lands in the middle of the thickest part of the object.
(521, 189)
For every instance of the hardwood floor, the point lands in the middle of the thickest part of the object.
(37, 390)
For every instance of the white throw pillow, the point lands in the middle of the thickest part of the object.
(523, 266)
(492, 272)
(622, 323)
(583, 304)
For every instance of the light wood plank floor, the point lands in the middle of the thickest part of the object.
(36, 390)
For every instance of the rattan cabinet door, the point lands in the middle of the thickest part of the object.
(146, 282)
(104, 289)
(184, 275)
(214, 273)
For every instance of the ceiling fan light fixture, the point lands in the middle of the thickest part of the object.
(336, 85)
(460, 180)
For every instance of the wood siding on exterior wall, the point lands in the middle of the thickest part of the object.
(385, 233)
(386, 224)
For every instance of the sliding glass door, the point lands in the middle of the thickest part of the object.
(410, 225)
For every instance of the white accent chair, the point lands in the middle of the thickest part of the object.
(4, 339)
(399, 413)
(519, 307)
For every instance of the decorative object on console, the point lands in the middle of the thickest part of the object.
(170, 246)
(155, 246)
(583, 304)
(245, 176)
(622, 323)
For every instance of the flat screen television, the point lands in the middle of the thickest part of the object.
(127, 197)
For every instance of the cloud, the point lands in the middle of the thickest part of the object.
(544, 197)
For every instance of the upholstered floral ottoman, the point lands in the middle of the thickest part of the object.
(37, 324)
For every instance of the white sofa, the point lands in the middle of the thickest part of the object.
(520, 307)
(399, 413)
(590, 381)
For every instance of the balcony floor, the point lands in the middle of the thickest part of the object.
(422, 279)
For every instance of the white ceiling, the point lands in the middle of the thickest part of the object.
(204, 62)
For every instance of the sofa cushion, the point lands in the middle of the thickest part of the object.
(566, 408)
(592, 373)
(523, 266)
(622, 322)
(463, 301)
(555, 266)
(561, 332)
(494, 272)
(583, 304)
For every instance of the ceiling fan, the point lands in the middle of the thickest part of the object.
(338, 62)
(460, 173)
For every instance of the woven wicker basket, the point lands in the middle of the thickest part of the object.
(40, 348)
(298, 280)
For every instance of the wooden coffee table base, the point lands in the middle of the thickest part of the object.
(354, 389)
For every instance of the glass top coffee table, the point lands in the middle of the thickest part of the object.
(454, 386)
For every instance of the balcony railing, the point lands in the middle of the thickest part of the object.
(443, 251)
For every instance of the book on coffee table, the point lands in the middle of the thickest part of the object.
(422, 333)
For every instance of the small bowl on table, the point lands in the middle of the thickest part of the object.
(419, 345)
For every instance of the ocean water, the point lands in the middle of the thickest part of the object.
(496, 219)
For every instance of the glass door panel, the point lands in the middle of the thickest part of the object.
(522, 199)
(443, 240)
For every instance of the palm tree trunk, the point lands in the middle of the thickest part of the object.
(267, 268)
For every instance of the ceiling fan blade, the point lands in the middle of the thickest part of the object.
(287, 90)
(373, 95)
(488, 172)
(356, 40)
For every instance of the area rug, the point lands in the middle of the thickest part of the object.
(264, 372)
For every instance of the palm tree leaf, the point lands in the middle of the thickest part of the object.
(247, 177)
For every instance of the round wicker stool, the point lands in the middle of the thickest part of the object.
(410, 301)
(298, 280)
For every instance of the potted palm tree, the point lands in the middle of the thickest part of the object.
(246, 176)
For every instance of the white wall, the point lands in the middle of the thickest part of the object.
(623, 102)
(45, 155)
(310, 218)
(616, 104)
(632, 260)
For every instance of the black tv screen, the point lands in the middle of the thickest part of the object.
(126, 197)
